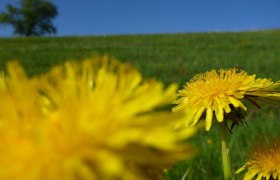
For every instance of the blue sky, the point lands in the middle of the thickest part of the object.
(107, 17)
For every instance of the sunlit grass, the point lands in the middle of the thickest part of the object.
(207, 165)
(173, 58)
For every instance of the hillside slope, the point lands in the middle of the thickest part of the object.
(168, 57)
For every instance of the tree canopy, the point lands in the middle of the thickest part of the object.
(31, 17)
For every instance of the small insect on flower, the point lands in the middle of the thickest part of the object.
(263, 162)
(218, 95)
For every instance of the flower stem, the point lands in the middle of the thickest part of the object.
(225, 154)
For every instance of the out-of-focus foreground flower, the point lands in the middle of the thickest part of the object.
(219, 94)
(92, 120)
(263, 162)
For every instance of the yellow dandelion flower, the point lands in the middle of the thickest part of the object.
(218, 95)
(263, 162)
(19, 97)
(92, 120)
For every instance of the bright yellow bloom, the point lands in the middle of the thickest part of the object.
(263, 162)
(219, 94)
(92, 120)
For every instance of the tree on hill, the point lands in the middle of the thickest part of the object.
(31, 18)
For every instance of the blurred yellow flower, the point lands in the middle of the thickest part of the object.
(218, 95)
(92, 120)
(263, 162)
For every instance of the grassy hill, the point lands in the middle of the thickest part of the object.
(173, 58)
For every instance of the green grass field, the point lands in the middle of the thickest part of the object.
(174, 58)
